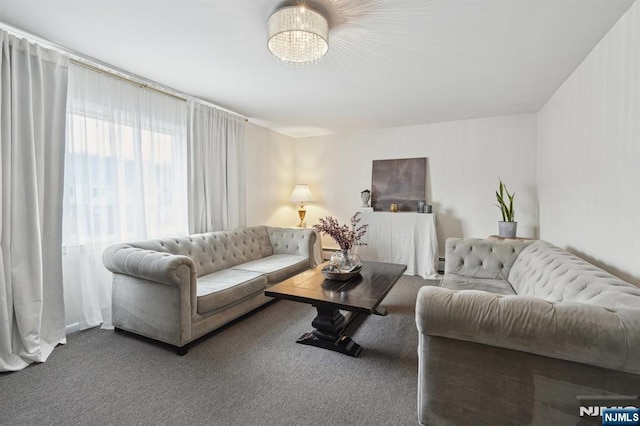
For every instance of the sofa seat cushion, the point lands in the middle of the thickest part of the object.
(459, 282)
(226, 287)
(276, 267)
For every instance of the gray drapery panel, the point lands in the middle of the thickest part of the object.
(216, 169)
(33, 95)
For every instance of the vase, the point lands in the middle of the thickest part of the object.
(345, 260)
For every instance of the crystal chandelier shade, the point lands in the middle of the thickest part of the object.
(298, 35)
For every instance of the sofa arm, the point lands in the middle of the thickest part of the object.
(577, 332)
(298, 241)
(150, 265)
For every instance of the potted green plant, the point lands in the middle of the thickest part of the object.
(507, 227)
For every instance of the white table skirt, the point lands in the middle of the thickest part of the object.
(407, 238)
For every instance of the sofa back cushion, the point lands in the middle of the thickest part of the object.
(476, 258)
(545, 271)
(214, 251)
(296, 241)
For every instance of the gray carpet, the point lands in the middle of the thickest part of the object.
(249, 373)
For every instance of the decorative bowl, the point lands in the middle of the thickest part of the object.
(333, 273)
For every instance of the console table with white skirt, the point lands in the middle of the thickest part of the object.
(406, 238)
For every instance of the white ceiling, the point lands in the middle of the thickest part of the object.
(390, 62)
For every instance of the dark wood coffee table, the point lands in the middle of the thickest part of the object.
(361, 294)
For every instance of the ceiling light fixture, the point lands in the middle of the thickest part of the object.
(298, 35)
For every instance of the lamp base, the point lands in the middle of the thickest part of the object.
(302, 213)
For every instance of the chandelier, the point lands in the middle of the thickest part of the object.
(298, 35)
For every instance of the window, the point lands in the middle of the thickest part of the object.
(125, 179)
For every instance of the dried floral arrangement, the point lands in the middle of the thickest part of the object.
(343, 235)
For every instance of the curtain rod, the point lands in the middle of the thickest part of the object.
(125, 79)
(110, 70)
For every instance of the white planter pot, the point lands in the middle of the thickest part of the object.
(507, 229)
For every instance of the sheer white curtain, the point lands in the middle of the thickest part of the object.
(216, 169)
(125, 180)
(33, 88)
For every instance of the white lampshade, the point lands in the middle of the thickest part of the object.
(301, 194)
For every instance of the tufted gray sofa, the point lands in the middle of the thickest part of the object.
(518, 330)
(178, 289)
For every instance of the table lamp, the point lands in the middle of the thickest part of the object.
(301, 194)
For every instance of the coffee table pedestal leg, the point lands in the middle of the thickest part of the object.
(329, 325)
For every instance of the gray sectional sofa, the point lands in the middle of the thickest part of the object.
(176, 290)
(518, 331)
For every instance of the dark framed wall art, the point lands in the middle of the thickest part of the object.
(401, 181)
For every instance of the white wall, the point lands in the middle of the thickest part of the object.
(589, 155)
(465, 159)
(269, 170)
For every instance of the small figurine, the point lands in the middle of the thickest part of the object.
(365, 196)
